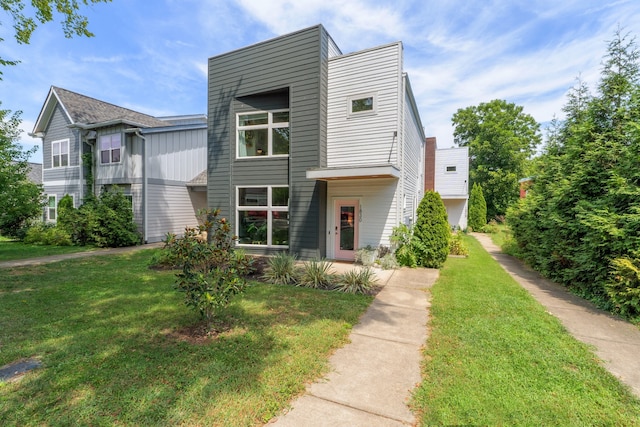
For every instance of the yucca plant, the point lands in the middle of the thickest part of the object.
(357, 281)
(281, 269)
(317, 274)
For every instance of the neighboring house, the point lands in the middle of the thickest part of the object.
(152, 159)
(525, 184)
(312, 151)
(448, 174)
(35, 173)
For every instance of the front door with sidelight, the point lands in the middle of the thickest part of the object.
(346, 229)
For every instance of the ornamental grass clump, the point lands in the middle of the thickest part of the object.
(281, 269)
(317, 274)
(357, 281)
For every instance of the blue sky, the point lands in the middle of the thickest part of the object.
(152, 56)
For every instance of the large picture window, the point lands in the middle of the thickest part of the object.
(263, 134)
(110, 148)
(60, 153)
(263, 216)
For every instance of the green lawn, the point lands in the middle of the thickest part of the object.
(496, 357)
(13, 250)
(104, 329)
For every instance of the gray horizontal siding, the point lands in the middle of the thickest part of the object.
(296, 62)
(58, 129)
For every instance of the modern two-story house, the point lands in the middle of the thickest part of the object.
(311, 150)
(156, 161)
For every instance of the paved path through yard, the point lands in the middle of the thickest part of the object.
(371, 378)
(615, 341)
(95, 252)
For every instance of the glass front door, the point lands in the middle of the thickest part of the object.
(346, 229)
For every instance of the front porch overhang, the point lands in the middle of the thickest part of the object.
(354, 172)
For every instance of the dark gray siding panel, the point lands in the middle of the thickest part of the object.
(296, 61)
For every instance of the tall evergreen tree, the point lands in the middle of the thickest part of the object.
(477, 208)
(584, 212)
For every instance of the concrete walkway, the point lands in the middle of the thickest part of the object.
(371, 378)
(93, 252)
(615, 341)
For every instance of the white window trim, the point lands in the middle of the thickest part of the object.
(60, 141)
(269, 126)
(100, 150)
(269, 208)
(48, 208)
(373, 111)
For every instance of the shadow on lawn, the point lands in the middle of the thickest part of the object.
(108, 359)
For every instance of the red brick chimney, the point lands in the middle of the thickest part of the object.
(430, 163)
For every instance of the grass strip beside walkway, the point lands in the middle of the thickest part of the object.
(496, 357)
(106, 331)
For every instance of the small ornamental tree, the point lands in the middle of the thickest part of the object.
(477, 208)
(432, 232)
(213, 272)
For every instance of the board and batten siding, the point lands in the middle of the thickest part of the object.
(365, 138)
(378, 199)
(294, 63)
(129, 169)
(177, 155)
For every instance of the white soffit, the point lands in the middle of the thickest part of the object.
(358, 172)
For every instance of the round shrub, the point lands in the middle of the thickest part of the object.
(432, 232)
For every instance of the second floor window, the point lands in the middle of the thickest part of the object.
(263, 134)
(60, 153)
(110, 148)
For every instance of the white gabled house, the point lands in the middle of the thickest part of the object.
(152, 159)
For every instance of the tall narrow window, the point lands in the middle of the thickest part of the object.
(52, 207)
(263, 216)
(263, 134)
(60, 153)
(110, 148)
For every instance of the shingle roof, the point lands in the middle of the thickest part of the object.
(200, 180)
(35, 173)
(87, 110)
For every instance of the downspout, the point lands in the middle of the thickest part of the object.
(144, 184)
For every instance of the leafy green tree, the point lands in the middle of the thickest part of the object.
(501, 138)
(27, 16)
(432, 232)
(477, 208)
(581, 219)
(20, 199)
